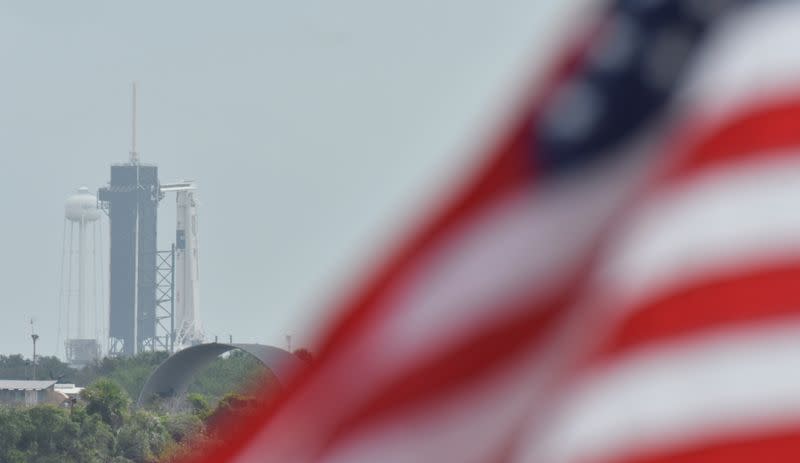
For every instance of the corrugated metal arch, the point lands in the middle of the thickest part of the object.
(173, 376)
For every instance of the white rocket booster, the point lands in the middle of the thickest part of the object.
(187, 304)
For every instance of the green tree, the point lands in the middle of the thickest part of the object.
(129, 372)
(14, 367)
(14, 424)
(188, 450)
(236, 372)
(182, 426)
(52, 432)
(102, 427)
(106, 399)
(143, 437)
(198, 404)
(231, 409)
(96, 440)
(121, 459)
(17, 367)
(53, 368)
(44, 434)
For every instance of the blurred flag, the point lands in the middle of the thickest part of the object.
(620, 282)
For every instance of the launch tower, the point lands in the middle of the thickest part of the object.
(131, 201)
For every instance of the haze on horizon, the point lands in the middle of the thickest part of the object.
(318, 132)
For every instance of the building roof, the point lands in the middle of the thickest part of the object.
(68, 389)
(25, 385)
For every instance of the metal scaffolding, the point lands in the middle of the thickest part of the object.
(164, 338)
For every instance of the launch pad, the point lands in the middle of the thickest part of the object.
(153, 298)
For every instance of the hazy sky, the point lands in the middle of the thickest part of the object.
(316, 131)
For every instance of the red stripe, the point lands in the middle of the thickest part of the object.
(504, 172)
(769, 130)
(507, 169)
(510, 165)
(735, 299)
(776, 447)
(759, 131)
(434, 379)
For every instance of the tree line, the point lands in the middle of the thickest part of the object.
(233, 371)
(104, 426)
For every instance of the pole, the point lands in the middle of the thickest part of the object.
(81, 278)
(135, 161)
(136, 239)
(134, 154)
(34, 337)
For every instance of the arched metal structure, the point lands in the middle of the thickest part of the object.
(173, 376)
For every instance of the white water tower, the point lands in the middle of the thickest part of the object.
(82, 240)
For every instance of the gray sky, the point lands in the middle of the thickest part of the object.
(317, 131)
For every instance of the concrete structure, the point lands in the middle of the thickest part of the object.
(173, 377)
(23, 392)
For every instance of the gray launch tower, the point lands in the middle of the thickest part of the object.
(131, 201)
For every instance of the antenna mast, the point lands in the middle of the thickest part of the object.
(134, 155)
(34, 338)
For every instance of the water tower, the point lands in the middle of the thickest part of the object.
(81, 246)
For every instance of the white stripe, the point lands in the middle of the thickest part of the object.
(444, 298)
(523, 243)
(722, 385)
(470, 425)
(520, 249)
(748, 58)
(736, 216)
(467, 425)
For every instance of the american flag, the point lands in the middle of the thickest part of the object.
(619, 282)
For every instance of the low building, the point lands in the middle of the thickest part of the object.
(24, 392)
(67, 392)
